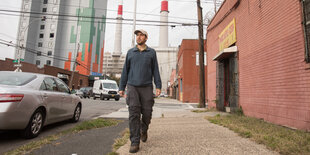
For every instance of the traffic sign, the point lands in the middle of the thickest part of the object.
(17, 65)
(16, 60)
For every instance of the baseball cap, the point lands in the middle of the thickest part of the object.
(142, 31)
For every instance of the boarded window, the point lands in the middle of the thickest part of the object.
(306, 22)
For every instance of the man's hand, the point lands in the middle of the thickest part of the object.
(158, 91)
(121, 93)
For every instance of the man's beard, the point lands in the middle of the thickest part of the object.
(141, 43)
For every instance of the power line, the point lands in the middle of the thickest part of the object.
(34, 52)
(88, 17)
(73, 20)
(76, 6)
(8, 43)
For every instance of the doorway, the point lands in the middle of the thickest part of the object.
(227, 83)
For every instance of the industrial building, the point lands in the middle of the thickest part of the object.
(258, 60)
(60, 32)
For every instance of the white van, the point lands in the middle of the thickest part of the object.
(105, 89)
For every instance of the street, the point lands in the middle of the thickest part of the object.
(90, 109)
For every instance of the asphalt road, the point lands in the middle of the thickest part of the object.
(91, 108)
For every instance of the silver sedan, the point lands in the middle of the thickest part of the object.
(29, 101)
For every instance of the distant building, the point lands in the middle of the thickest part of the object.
(54, 32)
(166, 56)
(258, 60)
(188, 72)
(78, 81)
(113, 65)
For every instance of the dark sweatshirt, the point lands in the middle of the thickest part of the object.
(140, 68)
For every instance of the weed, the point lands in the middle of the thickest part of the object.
(86, 125)
(278, 138)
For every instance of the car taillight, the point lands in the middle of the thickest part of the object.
(11, 97)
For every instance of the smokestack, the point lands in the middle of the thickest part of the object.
(118, 30)
(163, 30)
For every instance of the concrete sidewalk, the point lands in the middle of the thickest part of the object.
(181, 131)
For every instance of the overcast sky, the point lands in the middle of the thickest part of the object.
(183, 11)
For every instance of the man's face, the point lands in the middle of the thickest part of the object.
(141, 38)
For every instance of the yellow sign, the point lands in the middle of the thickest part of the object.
(228, 35)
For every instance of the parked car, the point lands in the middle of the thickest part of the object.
(105, 89)
(29, 101)
(87, 92)
(78, 93)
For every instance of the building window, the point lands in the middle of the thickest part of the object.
(40, 44)
(49, 53)
(44, 9)
(41, 35)
(39, 53)
(51, 35)
(26, 7)
(54, 9)
(306, 23)
(45, 1)
(48, 62)
(53, 27)
(42, 27)
(43, 18)
(50, 44)
(38, 62)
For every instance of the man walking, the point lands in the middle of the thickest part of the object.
(140, 68)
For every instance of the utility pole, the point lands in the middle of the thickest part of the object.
(214, 6)
(201, 58)
(78, 48)
(134, 24)
(74, 66)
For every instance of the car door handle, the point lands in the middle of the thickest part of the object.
(45, 95)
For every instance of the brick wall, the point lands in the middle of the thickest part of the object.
(7, 65)
(274, 80)
(188, 70)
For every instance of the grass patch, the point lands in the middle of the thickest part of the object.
(277, 138)
(119, 142)
(92, 124)
(27, 148)
(204, 110)
(86, 125)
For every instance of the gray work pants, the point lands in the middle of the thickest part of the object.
(140, 101)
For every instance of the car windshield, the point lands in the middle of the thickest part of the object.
(110, 85)
(15, 79)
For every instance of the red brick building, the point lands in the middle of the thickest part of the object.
(257, 59)
(79, 80)
(188, 71)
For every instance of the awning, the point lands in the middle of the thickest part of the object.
(227, 52)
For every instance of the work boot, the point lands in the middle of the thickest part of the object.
(134, 148)
(144, 136)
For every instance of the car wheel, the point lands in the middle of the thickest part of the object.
(94, 97)
(77, 113)
(116, 99)
(101, 97)
(35, 125)
(108, 98)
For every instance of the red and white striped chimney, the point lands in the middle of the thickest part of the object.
(118, 30)
(163, 30)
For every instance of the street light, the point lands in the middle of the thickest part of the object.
(21, 46)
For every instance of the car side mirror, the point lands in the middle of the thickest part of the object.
(73, 91)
